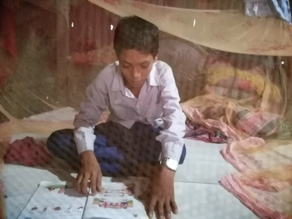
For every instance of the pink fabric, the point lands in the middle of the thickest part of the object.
(241, 161)
(198, 132)
(27, 152)
(256, 153)
(264, 183)
(228, 115)
(195, 115)
(256, 123)
(240, 189)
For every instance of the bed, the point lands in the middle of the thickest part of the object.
(203, 168)
(247, 81)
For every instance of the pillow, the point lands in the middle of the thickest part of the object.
(239, 79)
(255, 123)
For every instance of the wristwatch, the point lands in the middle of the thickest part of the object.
(169, 163)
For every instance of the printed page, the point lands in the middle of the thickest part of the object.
(116, 201)
(54, 200)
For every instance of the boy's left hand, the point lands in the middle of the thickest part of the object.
(162, 199)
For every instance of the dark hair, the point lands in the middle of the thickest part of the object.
(136, 33)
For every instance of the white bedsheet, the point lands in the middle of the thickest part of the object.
(198, 193)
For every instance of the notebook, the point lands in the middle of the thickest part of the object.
(117, 200)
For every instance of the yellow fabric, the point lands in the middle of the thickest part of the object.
(260, 83)
(282, 173)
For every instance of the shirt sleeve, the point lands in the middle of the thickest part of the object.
(174, 119)
(84, 138)
(90, 111)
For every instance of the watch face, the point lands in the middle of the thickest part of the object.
(171, 164)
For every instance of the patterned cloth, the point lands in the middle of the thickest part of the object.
(256, 123)
(264, 183)
(267, 197)
(242, 79)
(27, 152)
(230, 117)
(199, 132)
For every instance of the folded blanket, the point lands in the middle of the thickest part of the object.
(266, 192)
(264, 183)
(256, 153)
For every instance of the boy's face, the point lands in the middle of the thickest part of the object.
(135, 67)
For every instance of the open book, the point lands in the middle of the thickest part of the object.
(117, 200)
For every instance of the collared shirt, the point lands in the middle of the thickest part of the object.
(158, 98)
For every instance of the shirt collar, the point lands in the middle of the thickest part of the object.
(118, 82)
(153, 78)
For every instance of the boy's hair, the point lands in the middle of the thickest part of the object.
(136, 33)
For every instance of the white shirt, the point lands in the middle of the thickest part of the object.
(158, 98)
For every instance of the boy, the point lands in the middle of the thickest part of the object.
(146, 124)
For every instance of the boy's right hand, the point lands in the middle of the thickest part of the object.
(90, 171)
